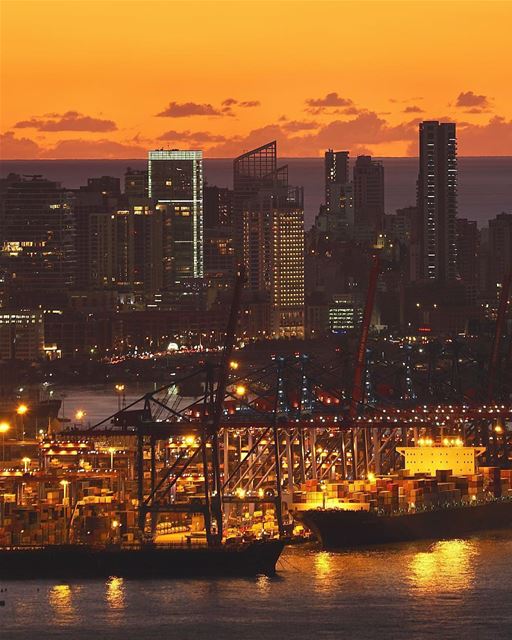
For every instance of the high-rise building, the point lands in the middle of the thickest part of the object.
(136, 182)
(273, 251)
(499, 250)
(336, 218)
(218, 206)
(336, 165)
(38, 234)
(368, 194)
(468, 243)
(287, 265)
(175, 178)
(21, 335)
(106, 185)
(95, 206)
(253, 171)
(437, 200)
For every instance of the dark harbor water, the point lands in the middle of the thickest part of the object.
(485, 184)
(458, 589)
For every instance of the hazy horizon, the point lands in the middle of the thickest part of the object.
(485, 187)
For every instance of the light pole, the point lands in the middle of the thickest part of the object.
(21, 411)
(112, 450)
(120, 394)
(64, 484)
(4, 428)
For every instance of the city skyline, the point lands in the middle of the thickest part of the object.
(116, 92)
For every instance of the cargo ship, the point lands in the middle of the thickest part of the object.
(75, 561)
(440, 494)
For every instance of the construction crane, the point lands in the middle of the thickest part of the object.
(500, 323)
(358, 384)
(214, 420)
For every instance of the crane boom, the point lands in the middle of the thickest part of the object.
(357, 387)
(500, 323)
(220, 392)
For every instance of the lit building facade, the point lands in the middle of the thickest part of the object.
(175, 178)
(252, 172)
(336, 218)
(336, 165)
(437, 200)
(219, 250)
(345, 312)
(21, 335)
(273, 244)
(38, 236)
(287, 267)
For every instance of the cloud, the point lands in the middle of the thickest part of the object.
(356, 150)
(350, 111)
(232, 102)
(413, 109)
(299, 125)
(406, 100)
(69, 121)
(195, 136)
(177, 110)
(470, 99)
(491, 139)
(330, 100)
(186, 109)
(365, 129)
(367, 133)
(92, 149)
(12, 148)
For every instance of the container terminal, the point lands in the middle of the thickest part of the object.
(239, 463)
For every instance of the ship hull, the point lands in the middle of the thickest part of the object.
(338, 529)
(82, 561)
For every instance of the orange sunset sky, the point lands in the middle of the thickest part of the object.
(112, 78)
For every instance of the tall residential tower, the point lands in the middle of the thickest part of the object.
(437, 200)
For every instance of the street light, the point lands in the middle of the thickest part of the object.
(26, 462)
(21, 411)
(64, 484)
(120, 388)
(4, 428)
(116, 525)
(80, 415)
(240, 390)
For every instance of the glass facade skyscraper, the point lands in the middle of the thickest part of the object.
(175, 178)
(272, 215)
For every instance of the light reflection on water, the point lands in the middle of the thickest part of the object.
(449, 566)
(403, 592)
(60, 599)
(115, 593)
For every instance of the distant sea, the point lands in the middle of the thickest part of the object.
(485, 184)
